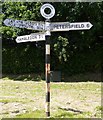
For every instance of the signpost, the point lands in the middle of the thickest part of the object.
(31, 38)
(66, 26)
(47, 27)
(34, 25)
(47, 55)
(47, 68)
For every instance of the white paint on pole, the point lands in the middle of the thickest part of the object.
(31, 38)
(47, 25)
(66, 26)
(47, 49)
(45, 15)
(47, 28)
(34, 25)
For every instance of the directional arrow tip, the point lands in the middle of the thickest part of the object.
(6, 21)
(89, 25)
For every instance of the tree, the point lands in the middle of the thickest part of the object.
(70, 49)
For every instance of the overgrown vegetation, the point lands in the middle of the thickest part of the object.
(72, 52)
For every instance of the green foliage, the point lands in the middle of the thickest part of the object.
(20, 59)
(72, 51)
(60, 48)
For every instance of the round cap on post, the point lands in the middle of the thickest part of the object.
(52, 11)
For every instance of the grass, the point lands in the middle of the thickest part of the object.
(67, 99)
(36, 114)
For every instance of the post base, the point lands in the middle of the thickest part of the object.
(47, 114)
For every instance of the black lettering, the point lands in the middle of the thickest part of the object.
(39, 36)
(11, 22)
(19, 39)
(71, 26)
(76, 26)
(88, 25)
(60, 26)
(21, 24)
(63, 26)
(22, 38)
(34, 37)
(82, 25)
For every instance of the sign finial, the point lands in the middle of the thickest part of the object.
(52, 11)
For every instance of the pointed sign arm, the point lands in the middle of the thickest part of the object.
(31, 38)
(34, 25)
(66, 26)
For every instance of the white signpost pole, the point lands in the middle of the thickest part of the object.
(47, 52)
(47, 68)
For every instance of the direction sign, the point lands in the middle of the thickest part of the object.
(31, 38)
(41, 26)
(35, 25)
(66, 26)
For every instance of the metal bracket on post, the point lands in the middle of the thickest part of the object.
(47, 27)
